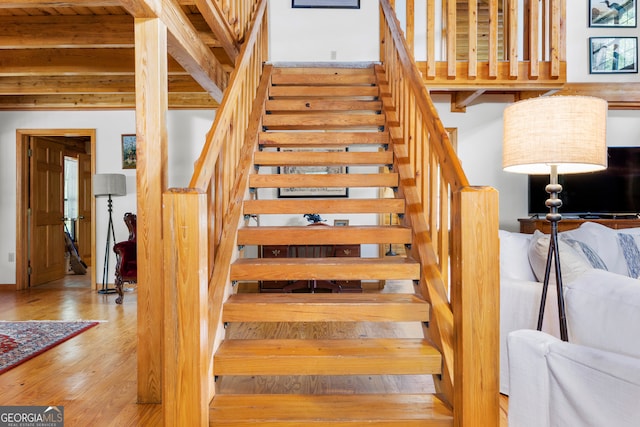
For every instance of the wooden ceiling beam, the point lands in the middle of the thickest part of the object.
(80, 31)
(620, 96)
(43, 85)
(213, 15)
(184, 43)
(461, 100)
(61, 62)
(125, 101)
(39, 4)
(66, 31)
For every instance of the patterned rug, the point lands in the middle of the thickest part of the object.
(21, 341)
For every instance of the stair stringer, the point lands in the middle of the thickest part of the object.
(220, 284)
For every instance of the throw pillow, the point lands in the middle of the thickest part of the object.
(572, 262)
(514, 256)
(603, 241)
(629, 246)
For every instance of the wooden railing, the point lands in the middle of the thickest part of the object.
(199, 226)
(471, 40)
(238, 15)
(455, 236)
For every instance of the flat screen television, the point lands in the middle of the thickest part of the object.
(611, 193)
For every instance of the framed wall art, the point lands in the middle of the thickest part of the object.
(326, 4)
(615, 13)
(613, 55)
(313, 170)
(128, 151)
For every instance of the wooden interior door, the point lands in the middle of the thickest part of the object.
(47, 245)
(84, 209)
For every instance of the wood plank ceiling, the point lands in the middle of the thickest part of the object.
(79, 54)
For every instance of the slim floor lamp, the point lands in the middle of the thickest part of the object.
(109, 184)
(555, 135)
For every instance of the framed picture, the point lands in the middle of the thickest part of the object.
(613, 55)
(614, 13)
(313, 170)
(340, 222)
(327, 4)
(128, 151)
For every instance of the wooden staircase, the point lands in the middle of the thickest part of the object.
(321, 108)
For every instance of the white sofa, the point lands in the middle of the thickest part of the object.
(602, 304)
(555, 383)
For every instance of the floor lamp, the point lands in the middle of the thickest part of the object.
(109, 184)
(555, 135)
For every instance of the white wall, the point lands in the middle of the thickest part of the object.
(187, 130)
(303, 35)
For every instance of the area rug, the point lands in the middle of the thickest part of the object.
(21, 341)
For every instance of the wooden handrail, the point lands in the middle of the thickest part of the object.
(450, 221)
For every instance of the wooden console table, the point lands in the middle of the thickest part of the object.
(529, 225)
(310, 251)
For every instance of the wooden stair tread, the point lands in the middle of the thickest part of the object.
(341, 410)
(343, 205)
(298, 180)
(330, 268)
(326, 307)
(351, 79)
(333, 91)
(322, 139)
(327, 120)
(339, 158)
(313, 104)
(301, 235)
(369, 356)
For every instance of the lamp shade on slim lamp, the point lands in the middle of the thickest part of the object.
(566, 131)
(105, 184)
(555, 135)
(109, 184)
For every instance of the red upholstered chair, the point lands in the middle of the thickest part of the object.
(126, 256)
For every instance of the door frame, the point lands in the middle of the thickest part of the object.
(22, 196)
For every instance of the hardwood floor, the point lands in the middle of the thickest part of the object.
(93, 375)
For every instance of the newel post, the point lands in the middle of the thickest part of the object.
(185, 375)
(475, 300)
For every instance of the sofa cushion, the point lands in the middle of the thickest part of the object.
(573, 262)
(514, 260)
(603, 241)
(603, 311)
